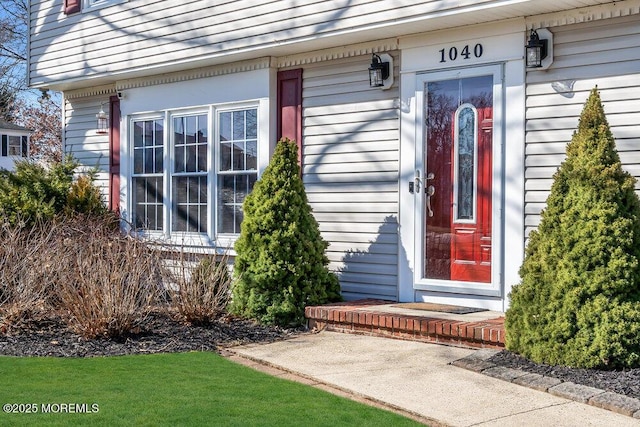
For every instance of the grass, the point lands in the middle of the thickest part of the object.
(179, 389)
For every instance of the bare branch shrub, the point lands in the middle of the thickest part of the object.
(109, 282)
(201, 290)
(25, 279)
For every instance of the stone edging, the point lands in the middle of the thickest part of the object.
(478, 362)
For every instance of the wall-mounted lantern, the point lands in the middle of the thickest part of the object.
(103, 121)
(381, 71)
(539, 49)
(536, 50)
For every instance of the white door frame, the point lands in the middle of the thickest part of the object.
(493, 289)
(421, 60)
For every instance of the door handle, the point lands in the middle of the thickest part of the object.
(430, 190)
(417, 181)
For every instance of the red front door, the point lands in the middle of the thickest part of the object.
(458, 213)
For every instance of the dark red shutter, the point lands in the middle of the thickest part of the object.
(25, 146)
(71, 6)
(114, 154)
(290, 107)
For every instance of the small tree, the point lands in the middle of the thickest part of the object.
(281, 264)
(578, 303)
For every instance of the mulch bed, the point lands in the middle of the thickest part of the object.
(160, 334)
(625, 382)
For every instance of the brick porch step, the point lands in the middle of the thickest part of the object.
(391, 319)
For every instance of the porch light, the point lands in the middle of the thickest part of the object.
(103, 121)
(536, 50)
(378, 71)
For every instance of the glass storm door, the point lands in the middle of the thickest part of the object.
(458, 179)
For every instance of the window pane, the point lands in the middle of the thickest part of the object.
(158, 132)
(226, 199)
(225, 157)
(225, 126)
(179, 159)
(238, 156)
(202, 158)
(203, 129)
(148, 203)
(191, 129)
(148, 134)
(232, 191)
(466, 143)
(190, 198)
(190, 153)
(252, 155)
(148, 151)
(252, 123)
(149, 161)
(137, 133)
(14, 145)
(159, 161)
(238, 125)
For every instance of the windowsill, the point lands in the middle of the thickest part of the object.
(190, 242)
(87, 7)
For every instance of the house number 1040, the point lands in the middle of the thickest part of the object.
(465, 53)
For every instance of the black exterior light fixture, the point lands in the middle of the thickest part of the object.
(103, 121)
(378, 71)
(536, 50)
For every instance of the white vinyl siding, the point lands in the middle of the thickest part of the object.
(605, 53)
(136, 36)
(350, 171)
(81, 139)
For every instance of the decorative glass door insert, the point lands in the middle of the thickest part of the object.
(459, 174)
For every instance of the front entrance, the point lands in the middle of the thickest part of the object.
(456, 175)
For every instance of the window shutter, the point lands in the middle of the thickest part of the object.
(5, 146)
(71, 6)
(114, 153)
(290, 107)
(25, 147)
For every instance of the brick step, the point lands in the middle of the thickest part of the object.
(389, 319)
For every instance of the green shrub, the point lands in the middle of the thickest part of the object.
(281, 264)
(202, 296)
(578, 303)
(33, 192)
(84, 196)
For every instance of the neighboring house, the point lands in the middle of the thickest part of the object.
(426, 187)
(15, 144)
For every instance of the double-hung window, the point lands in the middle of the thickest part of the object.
(193, 170)
(237, 165)
(148, 174)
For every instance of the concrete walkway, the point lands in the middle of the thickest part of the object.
(416, 378)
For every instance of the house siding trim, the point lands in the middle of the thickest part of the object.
(200, 73)
(91, 91)
(585, 14)
(337, 53)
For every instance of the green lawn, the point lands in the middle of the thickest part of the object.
(170, 389)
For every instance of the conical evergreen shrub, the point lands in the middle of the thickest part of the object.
(578, 303)
(281, 264)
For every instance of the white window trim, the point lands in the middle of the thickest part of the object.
(198, 241)
(91, 5)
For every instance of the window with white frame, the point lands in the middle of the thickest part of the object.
(237, 165)
(15, 145)
(193, 175)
